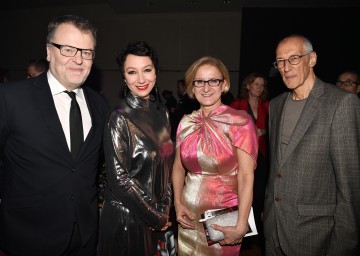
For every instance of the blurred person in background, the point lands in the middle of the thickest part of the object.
(37, 67)
(253, 99)
(349, 81)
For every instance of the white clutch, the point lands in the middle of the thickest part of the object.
(224, 217)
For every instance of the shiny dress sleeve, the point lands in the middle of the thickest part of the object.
(120, 149)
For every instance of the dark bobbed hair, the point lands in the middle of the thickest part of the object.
(138, 48)
(80, 23)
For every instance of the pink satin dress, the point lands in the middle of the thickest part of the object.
(208, 152)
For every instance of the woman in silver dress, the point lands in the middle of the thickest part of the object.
(139, 155)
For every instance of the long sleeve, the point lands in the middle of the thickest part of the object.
(345, 152)
(122, 182)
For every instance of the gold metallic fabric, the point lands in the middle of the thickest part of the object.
(208, 147)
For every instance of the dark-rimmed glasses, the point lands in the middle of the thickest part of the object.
(346, 83)
(211, 83)
(293, 60)
(70, 51)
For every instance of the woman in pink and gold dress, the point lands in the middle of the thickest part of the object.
(215, 160)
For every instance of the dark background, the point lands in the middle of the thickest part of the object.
(182, 32)
(334, 33)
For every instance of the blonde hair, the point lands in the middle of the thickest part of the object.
(249, 79)
(207, 60)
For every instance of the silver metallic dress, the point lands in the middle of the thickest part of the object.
(139, 155)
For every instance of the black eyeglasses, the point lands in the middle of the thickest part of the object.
(211, 83)
(346, 83)
(293, 60)
(70, 51)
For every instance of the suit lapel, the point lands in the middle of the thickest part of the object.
(94, 122)
(307, 116)
(46, 106)
(278, 126)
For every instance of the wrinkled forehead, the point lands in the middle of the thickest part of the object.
(68, 33)
(290, 46)
(348, 77)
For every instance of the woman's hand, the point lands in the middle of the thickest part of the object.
(233, 235)
(184, 216)
(260, 132)
(167, 225)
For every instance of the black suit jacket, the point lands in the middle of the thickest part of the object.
(187, 105)
(44, 189)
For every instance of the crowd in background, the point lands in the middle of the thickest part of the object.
(154, 167)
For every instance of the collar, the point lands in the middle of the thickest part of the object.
(56, 87)
(138, 102)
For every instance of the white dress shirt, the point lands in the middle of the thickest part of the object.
(63, 103)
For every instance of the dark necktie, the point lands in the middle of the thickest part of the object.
(76, 127)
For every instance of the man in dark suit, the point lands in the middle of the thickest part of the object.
(312, 201)
(49, 203)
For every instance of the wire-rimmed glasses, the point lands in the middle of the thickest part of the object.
(293, 60)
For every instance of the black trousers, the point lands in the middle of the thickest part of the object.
(75, 247)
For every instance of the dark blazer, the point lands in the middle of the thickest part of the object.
(312, 202)
(186, 105)
(44, 189)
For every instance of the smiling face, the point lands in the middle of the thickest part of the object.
(71, 72)
(208, 97)
(140, 75)
(300, 76)
(256, 88)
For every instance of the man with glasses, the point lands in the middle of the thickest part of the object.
(51, 133)
(349, 81)
(312, 200)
